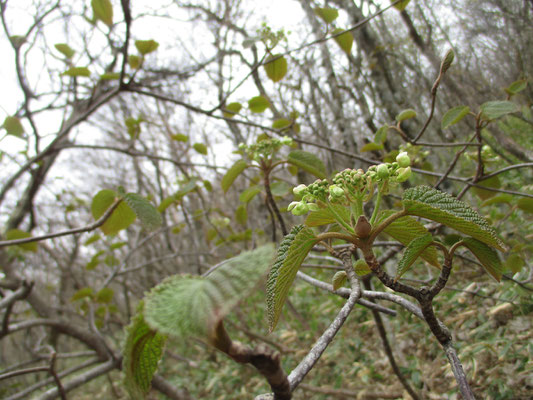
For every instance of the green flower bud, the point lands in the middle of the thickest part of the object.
(299, 190)
(292, 205)
(336, 191)
(286, 140)
(403, 174)
(383, 171)
(403, 160)
(300, 209)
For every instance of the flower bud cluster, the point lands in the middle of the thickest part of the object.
(350, 185)
(265, 148)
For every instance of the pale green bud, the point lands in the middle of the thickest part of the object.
(336, 191)
(403, 174)
(292, 205)
(403, 160)
(299, 190)
(286, 140)
(383, 171)
(300, 209)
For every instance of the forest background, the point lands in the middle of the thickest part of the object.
(154, 98)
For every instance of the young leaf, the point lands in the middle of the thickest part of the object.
(345, 40)
(146, 46)
(78, 71)
(121, 218)
(14, 234)
(405, 230)
(516, 87)
(497, 109)
(184, 306)
(405, 114)
(258, 104)
(487, 256)
(454, 115)
(308, 162)
(339, 279)
(144, 210)
(525, 204)
(401, 5)
(281, 124)
(179, 137)
(327, 14)
(291, 253)
(484, 194)
(426, 202)
(232, 174)
(276, 67)
(82, 293)
(372, 147)
(325, 216)
(412, 252)
(248, 194)
(13, 126)
(65, 49)
(103, 10)
(142, 352)
(200, 148)
(105, 295)
(241, 215)
(232, 109)
(361, 268)
(381, 135)
(134, 61)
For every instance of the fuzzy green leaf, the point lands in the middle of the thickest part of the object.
(184, 306)
(327, 14)
(325, 216)
(525, 204)
(13, 126)
(232, 109)
(405, 114)
(65, 49)
(200, 148)
(77, 71)
(454, 115)
(241, 215)
(105, 295)
(516, 87)
(248, 194)
(179, 137)
(372, 147)
(276, 67)
(110, 76)
(497, 109)
(361, 268)
(232, 174)
(344, 40)
(146, 46)
(103, 10)
(121, 218)
(400, 6)
(381, 135)
(405, 230)
(142, 352)
(308, 162)
(144, 210)
(426, 202)
(82, 294)
(412, 252)
(487, 256)
(14, 234)
(339, 279)
(258, 104)
(291, 253)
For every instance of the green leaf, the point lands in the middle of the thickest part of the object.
(110, 76)
(258, 104)
(345, 40)
(327, 14)
(325, 216)
(412, 252)
(503, 198)
(82, 293)
(232, 109)
(406, 114)
(400, 5)
(281, 124)
(142, 352)
(279, 188)
(104, 295)
(291, 253)
(308, 162)
(487, 256)
(178, 137)
(248, 194)
(65, 49)
(361, 268)
(525, 204)
(14, 234)
(484, 194)
(241, 215)
(184, 306)
(144, 210)
(516, 87)
(381, 135)
(103, 11)
(276, 67)
(372, 147)
(122, 217)
(232, 174)
(497, 109)
(146, 46)
(426, 202)
(339, 279)
(405, 230)
(13, 126)
(77, 71)
(514, 263)
(134, 61)
(92, 239)
(454, 115)
(200, 148)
